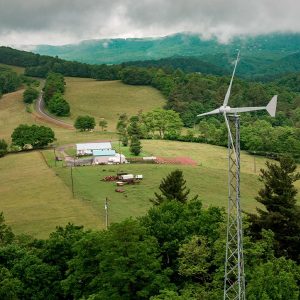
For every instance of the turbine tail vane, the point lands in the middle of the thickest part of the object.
(271, 107)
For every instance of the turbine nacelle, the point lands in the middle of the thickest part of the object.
(224, 109)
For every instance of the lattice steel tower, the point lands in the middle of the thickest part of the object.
(234, 279)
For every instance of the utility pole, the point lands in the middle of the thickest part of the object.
(120, 149)
(72, 181)
(106, 212)
(54, 155)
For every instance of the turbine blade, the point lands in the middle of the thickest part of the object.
(225, 102)
(230, 135)
(246, 109)
(215, 111)
(271, 107)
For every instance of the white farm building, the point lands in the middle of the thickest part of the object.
(88, 148)
(102, 153)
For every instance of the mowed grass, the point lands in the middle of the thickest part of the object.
(109, 99)
(12, 113)
(35, 200)
(211, 186)
(208, 179)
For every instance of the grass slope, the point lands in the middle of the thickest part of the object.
(34, 200)
(18, 70)
(109, 99)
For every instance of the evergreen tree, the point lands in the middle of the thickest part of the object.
(281, 214)
(135, 145)
(173, 187)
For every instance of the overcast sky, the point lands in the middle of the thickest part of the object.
(66, 21)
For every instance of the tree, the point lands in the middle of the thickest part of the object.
(274, 280)
(36, 136)
(30, 94)
(134, 128)
(194, 259)
(122, 129)
(85, 123)
(3, 148)
(120, 263)
(6, 234)
(58, 105)
(163, 122)
(103, 124)
(281, 214)
(135, 145)
(173, 223)
(10, 287)
(173, 187)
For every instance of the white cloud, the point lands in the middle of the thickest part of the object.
(65, 21)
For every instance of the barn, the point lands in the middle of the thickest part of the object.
(88, 148)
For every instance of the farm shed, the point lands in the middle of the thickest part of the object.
(88, 148)
(114, 159)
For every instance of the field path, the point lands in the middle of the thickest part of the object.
(40, 109)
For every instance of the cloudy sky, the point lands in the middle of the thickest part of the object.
(66, 21)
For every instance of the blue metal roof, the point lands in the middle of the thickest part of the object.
(104, 152)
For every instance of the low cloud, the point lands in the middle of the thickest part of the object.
(60, 22)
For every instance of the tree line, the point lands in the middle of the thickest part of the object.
(40, 65)
(53, 95)
(10, 81)
(175, 251)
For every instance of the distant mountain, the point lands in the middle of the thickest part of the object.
(112, 51)
(263, 55)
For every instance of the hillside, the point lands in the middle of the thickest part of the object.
(109, 99)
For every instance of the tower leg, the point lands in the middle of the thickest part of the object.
(234, 279)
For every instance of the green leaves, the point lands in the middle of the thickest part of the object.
(85, 123)
(36, 136)
(30, 94)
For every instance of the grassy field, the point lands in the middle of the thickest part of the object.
(35, 200)
(209, 184)
(18, 70)
(208, 179)
(109, 99)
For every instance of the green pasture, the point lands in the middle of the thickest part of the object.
(109, 99)
(35, 200)
(211, 186)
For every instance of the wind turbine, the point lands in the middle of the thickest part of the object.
(234, 279)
